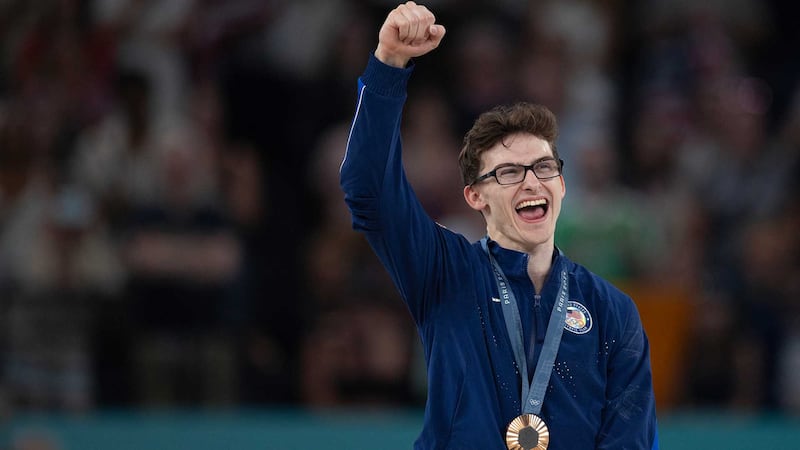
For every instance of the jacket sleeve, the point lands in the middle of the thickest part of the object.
(629, 416)
(382, 203)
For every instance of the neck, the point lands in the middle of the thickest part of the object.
(540, 257)
(540, 260)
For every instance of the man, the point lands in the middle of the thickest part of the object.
(524, 348)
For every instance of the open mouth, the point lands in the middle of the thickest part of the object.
(531, 210)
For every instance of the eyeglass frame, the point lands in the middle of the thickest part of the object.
(526, 168)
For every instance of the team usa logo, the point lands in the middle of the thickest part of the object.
(578, 320)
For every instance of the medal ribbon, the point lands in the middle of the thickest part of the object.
(533, 392)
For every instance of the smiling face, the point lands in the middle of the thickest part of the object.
(519, 216)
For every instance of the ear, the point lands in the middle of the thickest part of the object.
(474, 198)
(563, 187)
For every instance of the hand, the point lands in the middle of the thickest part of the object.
(410, 30)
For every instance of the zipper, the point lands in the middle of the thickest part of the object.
(541, 327)
(535, 336)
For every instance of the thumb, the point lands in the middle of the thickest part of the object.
(436, 33)
(437, 30)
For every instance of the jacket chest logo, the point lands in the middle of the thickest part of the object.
(578, 319)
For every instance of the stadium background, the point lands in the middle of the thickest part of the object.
(177, 268)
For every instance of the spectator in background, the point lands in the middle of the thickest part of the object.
(729, 146)
(57, 262)
(607, 225)
(767, 265)
(571, 41)
(147, 39)
(73, 269)
(482, 61)
(115, 158)
(183, 256)
(788, 360)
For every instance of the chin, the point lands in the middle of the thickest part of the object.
(539, 236)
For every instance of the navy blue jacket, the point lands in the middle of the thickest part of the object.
(600, 393)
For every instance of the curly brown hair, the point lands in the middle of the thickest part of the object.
(494, 125)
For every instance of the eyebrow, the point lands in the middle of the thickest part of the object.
(506, 164)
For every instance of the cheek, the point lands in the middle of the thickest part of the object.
(556, 210)
(557, 203)
(558, 198)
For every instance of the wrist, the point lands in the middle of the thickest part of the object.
(390, 59)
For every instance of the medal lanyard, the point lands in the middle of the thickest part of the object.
(533, 392)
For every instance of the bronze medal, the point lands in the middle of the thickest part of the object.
(527, 432)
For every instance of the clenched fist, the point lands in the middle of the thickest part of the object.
(410, 30)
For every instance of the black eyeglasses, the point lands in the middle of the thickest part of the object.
(514, 173)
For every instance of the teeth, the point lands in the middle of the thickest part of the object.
(537, 202)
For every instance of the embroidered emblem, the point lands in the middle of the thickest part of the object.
(578, 320)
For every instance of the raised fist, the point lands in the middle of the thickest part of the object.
(410, 30)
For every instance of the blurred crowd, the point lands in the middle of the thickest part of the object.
(172, 232)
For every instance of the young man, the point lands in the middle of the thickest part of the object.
(524, 348)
